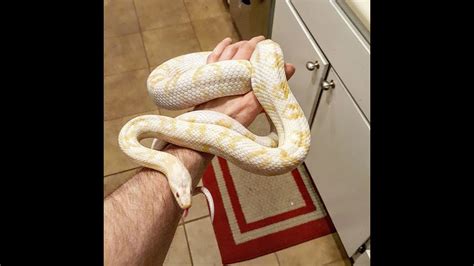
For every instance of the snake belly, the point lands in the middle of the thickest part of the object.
(187, 81)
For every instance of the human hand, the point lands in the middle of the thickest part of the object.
(243, 108)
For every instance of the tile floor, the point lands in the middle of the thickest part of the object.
(140, 35)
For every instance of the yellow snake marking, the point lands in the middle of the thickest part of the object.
(257, 56)
(160, 123)
(274, 143)
(282, 90)
(224, 123)
(279, 63)
(246, 65)
(222, 135)
(292, 111)
(258, 87)
(190, 128)
(285, 157)
(218, 69)
(197, 74)
(166, 69)
(171, 83)
(269, 108)
(205, 147)
(266, 161)
(157, 77)
(200, 72)
(257, 153)
(173, 125)
(202, 130)
(250, 136)
(234, 141)
(301, 141)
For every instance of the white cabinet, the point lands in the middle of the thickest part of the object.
(342, 43)
(339, 157)
(298, 48)
(338, 161)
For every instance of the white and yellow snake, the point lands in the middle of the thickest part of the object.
(187, 81)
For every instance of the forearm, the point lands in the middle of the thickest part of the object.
(140, 218)
(142, 215)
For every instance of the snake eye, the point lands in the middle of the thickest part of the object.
(177, 194)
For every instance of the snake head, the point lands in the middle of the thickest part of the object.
(181, 188)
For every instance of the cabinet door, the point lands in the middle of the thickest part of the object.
(339, 163)
(253, 19)
(343, 44)
(298, 48)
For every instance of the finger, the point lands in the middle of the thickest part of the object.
(247, 49)
(289, 70)
(216, 53)
(230, 51)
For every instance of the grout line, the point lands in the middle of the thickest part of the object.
(141, 34)
(236, 30)
(196, 219)
(119, 172)
(120, 36)
(147, 112)
(187, 244)
(192, 25)
(278, 260)
(130, 70)
(125, 72)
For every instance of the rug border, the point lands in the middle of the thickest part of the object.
(233, 252)
(239, 214)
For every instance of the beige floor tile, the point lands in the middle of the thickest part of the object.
(119, 18)
(343, 262)
(114, 159)
(199, 208)
(319, 251)
(124, 53)
(178, 253)
(201, 9)
(113, 182)
(165, 43)
(362, 260)
(174, 113)
(211, 31)
(202, 243)
(260, 126)
(267, 260)
(127, 94)
(154, 14)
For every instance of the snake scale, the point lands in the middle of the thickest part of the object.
(186, 81)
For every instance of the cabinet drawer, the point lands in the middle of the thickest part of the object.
(298, 48)
(339, 163)
(343, 45)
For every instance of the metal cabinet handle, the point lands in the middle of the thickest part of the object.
(312, 65)
(328, 85)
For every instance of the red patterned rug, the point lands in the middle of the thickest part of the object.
(257, 215)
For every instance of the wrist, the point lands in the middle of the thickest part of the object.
(243, 108)
(196, 162)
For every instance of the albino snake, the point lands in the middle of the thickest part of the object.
(187, 81)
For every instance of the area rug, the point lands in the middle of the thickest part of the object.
(257, 215)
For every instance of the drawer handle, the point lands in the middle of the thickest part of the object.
(312, 65)
(328, 85)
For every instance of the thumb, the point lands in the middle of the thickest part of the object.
(289, 70)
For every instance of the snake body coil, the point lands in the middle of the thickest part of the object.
(187, 81)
